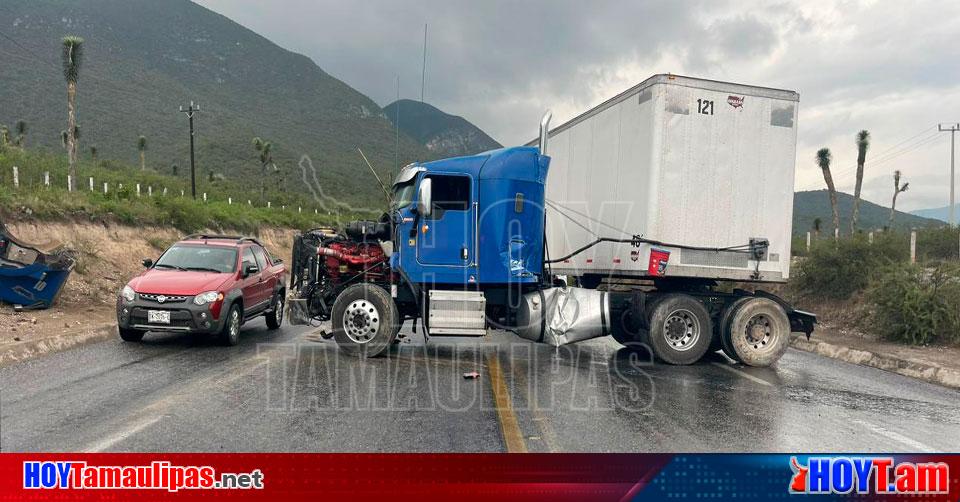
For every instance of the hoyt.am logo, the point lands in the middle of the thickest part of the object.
(873, 475)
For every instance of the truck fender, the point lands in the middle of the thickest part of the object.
(800, 321)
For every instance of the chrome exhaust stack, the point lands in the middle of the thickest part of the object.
(545, 131)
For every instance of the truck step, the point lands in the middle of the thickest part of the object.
(457, 313)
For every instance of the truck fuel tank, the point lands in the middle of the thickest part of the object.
(558, 316)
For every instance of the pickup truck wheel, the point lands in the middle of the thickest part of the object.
(680, 329)
(723, 329)
(759, 332)
(275, 317)
(131, 335)
(365, 320)
(230, 333)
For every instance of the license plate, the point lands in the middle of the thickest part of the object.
(158, 316)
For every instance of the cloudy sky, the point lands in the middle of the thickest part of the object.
(891, 67)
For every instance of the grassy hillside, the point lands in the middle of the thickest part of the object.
(441, 133)
(142, 59)
(33, 200)
(813, 204)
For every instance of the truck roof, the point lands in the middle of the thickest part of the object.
(518, 162)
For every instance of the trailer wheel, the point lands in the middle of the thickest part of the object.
(759, 331)
(680, 329)
(365, 320)
(723, 329)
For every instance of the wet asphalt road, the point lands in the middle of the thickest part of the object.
(280, 391)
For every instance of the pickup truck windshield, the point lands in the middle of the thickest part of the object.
(199, 258)
(403, 194)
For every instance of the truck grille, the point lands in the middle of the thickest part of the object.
(166, 298)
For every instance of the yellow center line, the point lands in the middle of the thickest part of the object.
(509, 425)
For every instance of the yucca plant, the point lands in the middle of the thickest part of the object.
(71, 58)
(897, 190)
(265, 155)
(823, 160)
(142, 148)
(863, 143)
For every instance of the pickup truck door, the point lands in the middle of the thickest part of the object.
(250, 285)
(268, 276)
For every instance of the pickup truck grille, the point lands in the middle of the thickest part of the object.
(166, 298)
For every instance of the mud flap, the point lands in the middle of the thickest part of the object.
(298, 312)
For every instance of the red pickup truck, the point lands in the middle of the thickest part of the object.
(209, 284)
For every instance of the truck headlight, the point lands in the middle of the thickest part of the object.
(207, 297)
(128, 294)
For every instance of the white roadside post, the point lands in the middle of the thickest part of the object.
(149, 191)
(204, 197)
(104, 187)
(836, 234)
(164, 191)
(138, 189)
(16, 177)
(90, 182)
(808, 242)
(46, 179)
(283, 208)
(299, 209)
(119, 186)
(181, 193)
(229, 201)
(69, 183)
(249, 203)
(316, 211)
(913, 246)
(268, 204)
(870, 237)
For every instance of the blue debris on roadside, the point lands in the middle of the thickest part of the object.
(30, 278)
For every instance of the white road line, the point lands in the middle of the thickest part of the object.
(120, 436)
(916, 445)
(743, 374)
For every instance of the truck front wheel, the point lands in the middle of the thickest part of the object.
(365, 320)
(759, 332)
(680, 329)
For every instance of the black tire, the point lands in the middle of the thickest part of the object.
(365, 320)
(230, 332)
(275, 317)
(759, 332)
(131, 335)
(723, 329)
(680, 329)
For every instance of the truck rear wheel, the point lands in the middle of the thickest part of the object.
(723, 329)
(680, 329)
(759, 331)
(365, 320)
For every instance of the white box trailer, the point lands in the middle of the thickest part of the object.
(679, 160)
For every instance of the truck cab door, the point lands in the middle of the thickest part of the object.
(447, 235)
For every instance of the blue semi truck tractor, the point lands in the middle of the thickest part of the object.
(652, 218)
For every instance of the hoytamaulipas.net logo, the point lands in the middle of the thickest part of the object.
(868, 475)
(158, 475)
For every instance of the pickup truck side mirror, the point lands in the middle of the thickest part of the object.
(250, 270)
(147, 262)
(424, 198)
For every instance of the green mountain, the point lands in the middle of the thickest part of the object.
(144, 58)
(807, 206)
(938, 213)
(442, 134)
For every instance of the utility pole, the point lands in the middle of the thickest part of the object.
(190, 111)
(423, 72)
(953, 128)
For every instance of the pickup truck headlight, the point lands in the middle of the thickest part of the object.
(128, 294)
(207, 297)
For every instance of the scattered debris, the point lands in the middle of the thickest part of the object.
(471, 375)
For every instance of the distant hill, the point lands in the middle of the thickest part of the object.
(938, 213)
(144, 58)
(807, 206)
(441, 133)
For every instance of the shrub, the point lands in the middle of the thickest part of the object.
(916, 305)
(838, 269)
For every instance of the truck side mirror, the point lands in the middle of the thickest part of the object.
(424, 197)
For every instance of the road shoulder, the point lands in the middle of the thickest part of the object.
(938, 365)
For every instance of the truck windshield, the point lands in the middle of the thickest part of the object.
(199, 258)
(403, 194)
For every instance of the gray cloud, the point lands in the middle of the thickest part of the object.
(889, 67)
